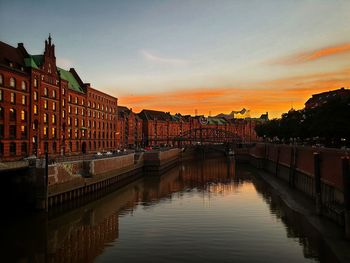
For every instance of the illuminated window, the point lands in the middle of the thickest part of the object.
(76, 110)
(23, 115)
(12, 82)
(76, 121)
(12, 114)
(45, 131)
(83, 102)
(69, 98)
(45, 117)
(53, 119)
(63, 114)
(35, 96)
(45, 104)
(23, 100)
(69, 120)
(76, 100)
(53, 94)
(63, 102)
(35, 109)
(35, 83)
(69, 109)
(63, 91)
(45, 92)
(53, 105)
(53, 132)
(13, 98)
(24, 85)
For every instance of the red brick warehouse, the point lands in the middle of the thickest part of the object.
(46, 108)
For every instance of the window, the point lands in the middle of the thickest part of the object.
(76, 110)
(76, 121)
(63, 92)
(45, 131)
(63, 102)
(45, 117)
(23, 132)
(1, 79)
(35, 109)
(63, 114)
(1, 95)
(76, 134)
(69, 109)
(13, 98)
(35, 96)
(54, 106)
(45, 104)
(35, 82)
(24, 85)
(1, 113)
(23, 100)
(82, 123)
(23, 115)
(24, 148)
(89, 104)
(53, 119)
(1, 131)
(12, 83)
(69, 120)
(12, 114)
(13, 148)
(69, 133)
(53, 94)
(82, 112)
(76, 100)
(12, 130)
(69, 98)
(53, 132)
(83, 102)
(45, 92)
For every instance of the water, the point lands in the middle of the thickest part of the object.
(210, 211)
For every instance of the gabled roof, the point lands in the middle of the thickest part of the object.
(154, 115)
(38, 59)
(11, 54)
(72, 82)
(30, 63)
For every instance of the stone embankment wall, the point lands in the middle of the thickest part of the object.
(296, 165)
(156, 162)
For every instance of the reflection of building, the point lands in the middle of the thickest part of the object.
(322, 98)
(46, 108)
(85, 242)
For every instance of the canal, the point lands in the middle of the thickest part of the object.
(200, 211)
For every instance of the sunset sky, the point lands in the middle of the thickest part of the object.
(179, 56)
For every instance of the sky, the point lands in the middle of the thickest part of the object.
(185, 56)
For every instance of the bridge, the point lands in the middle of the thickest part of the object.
(208, 135)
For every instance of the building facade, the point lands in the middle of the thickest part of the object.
(44, 108)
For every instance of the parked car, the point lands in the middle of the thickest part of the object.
(109, 153)
(98, 154)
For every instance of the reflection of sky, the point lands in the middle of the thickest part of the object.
(136, 49)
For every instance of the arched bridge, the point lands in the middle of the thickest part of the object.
(208, 135)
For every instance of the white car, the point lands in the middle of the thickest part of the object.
(109, 153)
(98, 154)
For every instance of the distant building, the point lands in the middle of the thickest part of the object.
(44, 108)
(322, 98)
(129, 133)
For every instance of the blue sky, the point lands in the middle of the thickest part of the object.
(138, 48)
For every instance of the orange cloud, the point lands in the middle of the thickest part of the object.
(313, 55)
(275, 96)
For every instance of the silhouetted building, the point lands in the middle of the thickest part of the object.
(322, 98)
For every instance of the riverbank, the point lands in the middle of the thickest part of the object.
(331, 233)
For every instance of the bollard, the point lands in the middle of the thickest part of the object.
(317, 182)
(346, 192)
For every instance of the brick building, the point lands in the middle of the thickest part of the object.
(129, 133)
(46, 108)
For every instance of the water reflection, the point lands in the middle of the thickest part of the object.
(197, 211)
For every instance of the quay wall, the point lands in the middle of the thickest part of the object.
(296, 165)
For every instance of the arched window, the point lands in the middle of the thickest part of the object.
(12, 114)
(1, 79)
(12, 82)
(24, 85)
